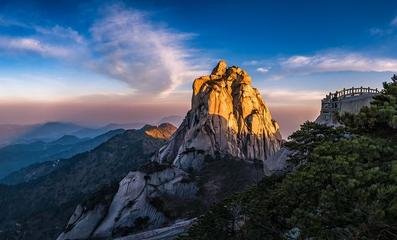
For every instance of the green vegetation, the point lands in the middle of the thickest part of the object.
(343, 186)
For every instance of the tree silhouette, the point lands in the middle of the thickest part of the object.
(394, 78)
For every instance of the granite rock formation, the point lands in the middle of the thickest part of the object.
(228, 117)
(134, 206)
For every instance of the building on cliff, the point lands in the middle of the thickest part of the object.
(347, 100)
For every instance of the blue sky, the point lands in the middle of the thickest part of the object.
(147, 53)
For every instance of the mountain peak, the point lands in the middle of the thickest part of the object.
(222, 73)
(163, 131)
(227, 116)
(220, 68)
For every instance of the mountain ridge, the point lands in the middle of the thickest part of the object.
(48, 153)
(48, 201)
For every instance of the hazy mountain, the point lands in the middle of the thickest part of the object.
(50, 131)
(95, 131)
(174, 119)
(39, 209)
(10, 132)
(126, 126)
(67, 140)
(14, 157)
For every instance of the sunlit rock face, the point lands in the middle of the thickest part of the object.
(163, 131)
(228, 116)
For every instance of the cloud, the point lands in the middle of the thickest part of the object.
(51, 42)
(262, 69)
(251, 63)
(12, 23)
(394, 22)
(376, 31)
(61, 32)
(35, 46)
(122, 44)
(337, 62)
(288, 97)
(380, 32)
(385, 30)
(147, 57)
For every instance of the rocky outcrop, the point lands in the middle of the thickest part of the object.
(137, 205)
(228, 116)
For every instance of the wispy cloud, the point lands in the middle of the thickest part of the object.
(33, 45)
(61, 32)
(122, 44)
(251, 63)
(384, 31)
(53, 42)
(380, 32)
(337, 62)
(146, 56)
(394, 22)
(262, 69)
(12, 22)
(291, 97)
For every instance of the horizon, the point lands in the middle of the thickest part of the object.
(103, 62)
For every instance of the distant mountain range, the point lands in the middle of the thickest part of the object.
(51, 131)
(10, 132)
(22, 145)
(16, 156)
(47, 201)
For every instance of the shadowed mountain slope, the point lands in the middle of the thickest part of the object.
(47, 202)
(16, 156)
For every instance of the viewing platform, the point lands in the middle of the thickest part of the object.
(350, 92)
(346, 100)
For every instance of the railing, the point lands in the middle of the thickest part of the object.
(350, 92)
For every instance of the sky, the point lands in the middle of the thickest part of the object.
(96, 62)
